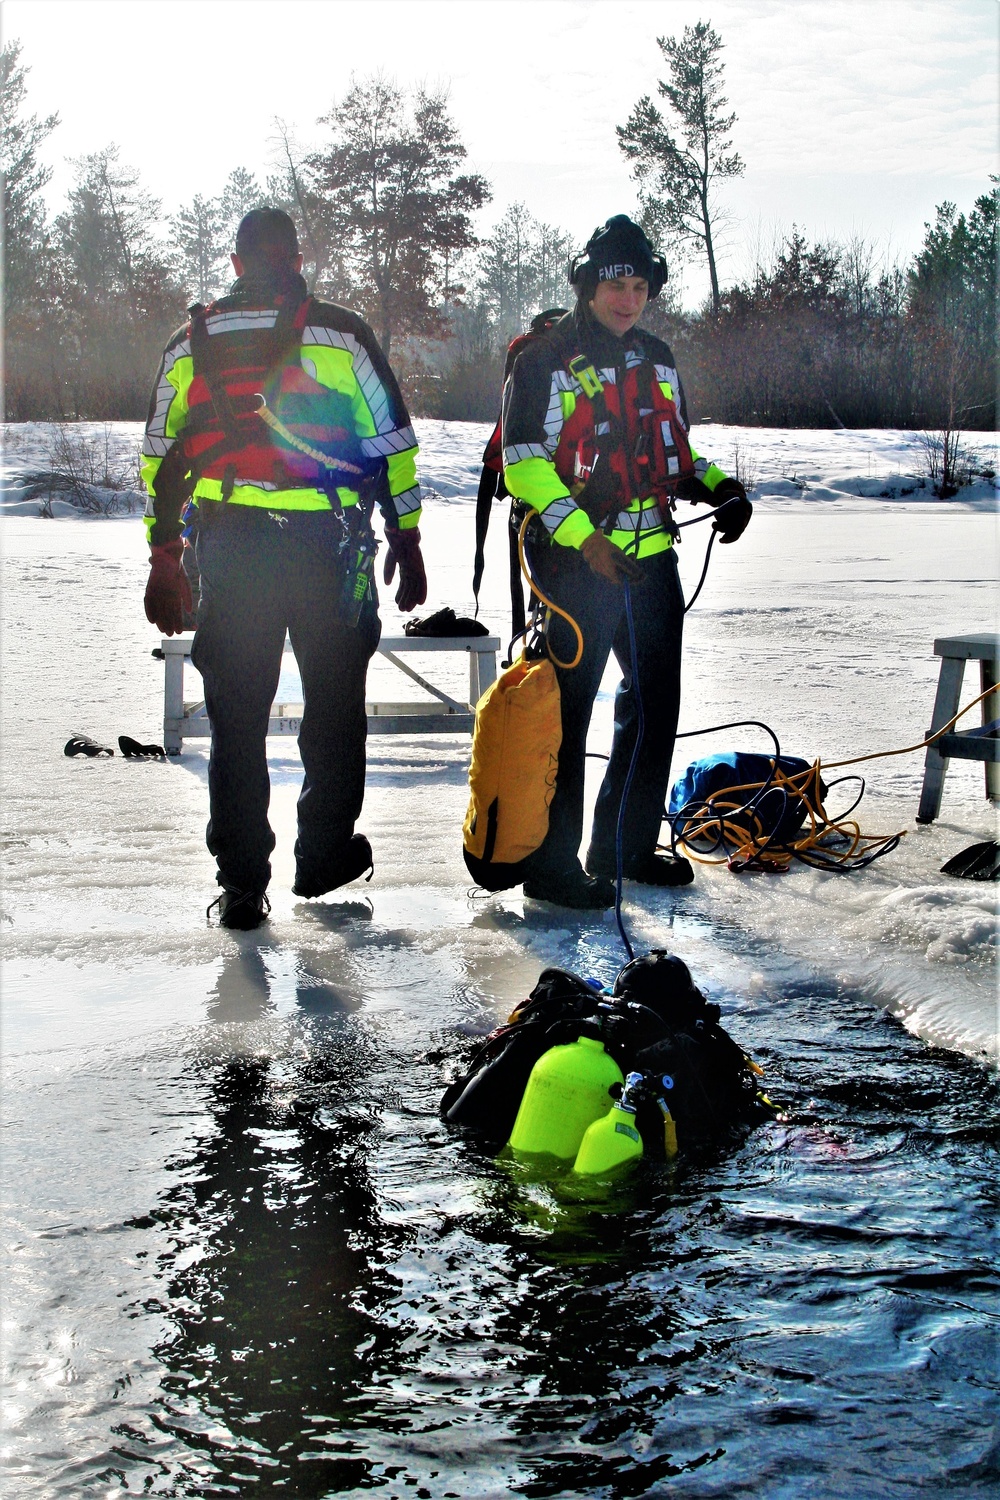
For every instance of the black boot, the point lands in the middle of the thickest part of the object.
(572, 888)
(241, 910)
(655, 869)
(355, 860)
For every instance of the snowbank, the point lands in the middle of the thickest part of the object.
(778, 463)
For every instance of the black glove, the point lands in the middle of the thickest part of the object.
(404, 549)
(734, 510)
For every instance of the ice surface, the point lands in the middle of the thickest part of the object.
(221, 1151)
(820, 621)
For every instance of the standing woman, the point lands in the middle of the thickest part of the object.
(595, 436)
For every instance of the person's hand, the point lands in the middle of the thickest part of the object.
(608, 561)
(168, 592)
(404, 550)
(734, 510)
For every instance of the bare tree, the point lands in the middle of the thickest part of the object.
(676, 176)
(292, 189)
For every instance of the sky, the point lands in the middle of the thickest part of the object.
(853, 118)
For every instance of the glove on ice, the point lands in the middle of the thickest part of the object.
(736, 517)
(168, 592)
(404, 549)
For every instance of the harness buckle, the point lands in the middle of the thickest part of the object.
(583, 371)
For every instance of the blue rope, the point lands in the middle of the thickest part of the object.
(620, 830)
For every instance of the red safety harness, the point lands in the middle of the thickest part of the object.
(224, 436)
(631, 429)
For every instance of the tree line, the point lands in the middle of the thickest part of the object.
(820, 334)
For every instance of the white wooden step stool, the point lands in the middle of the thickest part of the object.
(442, 715)
(979, 743)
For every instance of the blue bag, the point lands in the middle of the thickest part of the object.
(774, 812)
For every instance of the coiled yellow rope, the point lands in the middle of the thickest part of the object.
(826, 843)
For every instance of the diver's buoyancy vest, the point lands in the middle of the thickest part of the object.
(239, 354)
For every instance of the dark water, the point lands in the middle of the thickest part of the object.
(336, 1295)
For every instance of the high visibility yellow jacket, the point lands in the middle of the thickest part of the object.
(341, 392)
(552, 429)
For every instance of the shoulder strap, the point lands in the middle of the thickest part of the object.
(202, 365)
(566, 344)
(290, 320)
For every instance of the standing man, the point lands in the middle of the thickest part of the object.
(278, 417)
(596, 445)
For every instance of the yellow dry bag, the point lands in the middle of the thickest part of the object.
(515, 756)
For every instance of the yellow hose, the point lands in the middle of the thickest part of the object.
(567, 666)
(751, 846)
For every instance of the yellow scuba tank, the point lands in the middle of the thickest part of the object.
(612, 1141)
(567, 1090)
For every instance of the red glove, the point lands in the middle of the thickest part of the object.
(168, 592)
(734, 520)
(404, 549)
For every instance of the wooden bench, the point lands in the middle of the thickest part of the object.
(441, 715)
(978, 743)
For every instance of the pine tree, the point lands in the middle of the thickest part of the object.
(120, 296)
(552, 251)
(395, 201)
(952, 310)
(241, 193)
(507, 279)
(200, 238)
(676, 173)
(24, 177)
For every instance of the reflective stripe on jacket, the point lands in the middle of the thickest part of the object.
(344, 401)
(551, 434)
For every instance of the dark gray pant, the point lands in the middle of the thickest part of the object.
(261, 576)
(599, 609)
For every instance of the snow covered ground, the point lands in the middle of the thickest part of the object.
(820, 621)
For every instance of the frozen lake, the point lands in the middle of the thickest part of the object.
(243, 1256)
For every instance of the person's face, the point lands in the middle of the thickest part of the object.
(618, 304)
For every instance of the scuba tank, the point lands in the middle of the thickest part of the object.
(614, 1140)
(566, 1092)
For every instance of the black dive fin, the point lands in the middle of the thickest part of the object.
(978, 862)
(132, 750)
(82, 744)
